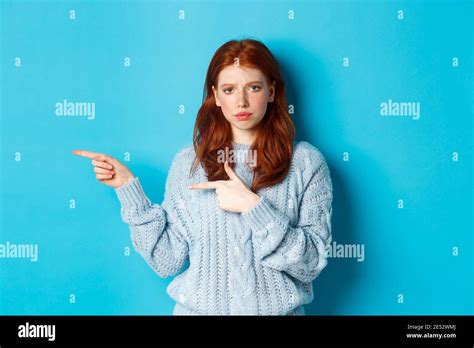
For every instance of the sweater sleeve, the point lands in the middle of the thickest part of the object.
(299, 250)
(158, 232)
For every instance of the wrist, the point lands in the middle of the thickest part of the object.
(129, 179)
(253, 201)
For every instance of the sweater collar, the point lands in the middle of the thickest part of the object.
(238, 146)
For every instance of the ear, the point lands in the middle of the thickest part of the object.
(271, 97)
(215, 96)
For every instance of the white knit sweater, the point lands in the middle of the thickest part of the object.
(260, 262)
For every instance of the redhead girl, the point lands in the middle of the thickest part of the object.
(248, 206)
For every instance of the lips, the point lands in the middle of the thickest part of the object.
(242, 116)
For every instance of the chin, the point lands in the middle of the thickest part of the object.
(246, 127)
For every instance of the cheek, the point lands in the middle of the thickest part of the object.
(259, 101)
(226, 104)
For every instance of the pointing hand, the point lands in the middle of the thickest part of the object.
(109, 170)
(232, 195)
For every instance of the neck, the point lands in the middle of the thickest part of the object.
(246, 138)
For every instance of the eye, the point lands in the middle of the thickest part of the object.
(256, 86)
(227, 89)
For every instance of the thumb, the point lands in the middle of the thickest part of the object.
(230, 172)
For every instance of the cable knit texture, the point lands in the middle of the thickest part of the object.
(260, 262)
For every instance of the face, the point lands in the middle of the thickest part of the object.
(241, 89)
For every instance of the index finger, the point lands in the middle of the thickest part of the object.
(88, 154)
(206, 185)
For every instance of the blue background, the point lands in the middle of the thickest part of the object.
(408, 251)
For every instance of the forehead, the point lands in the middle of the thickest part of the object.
(238, 74)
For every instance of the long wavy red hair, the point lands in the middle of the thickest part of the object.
(276, 131)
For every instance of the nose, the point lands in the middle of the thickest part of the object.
(242, 99)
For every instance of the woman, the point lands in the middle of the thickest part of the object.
(254, 232)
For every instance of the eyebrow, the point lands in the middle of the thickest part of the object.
(233, 84)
